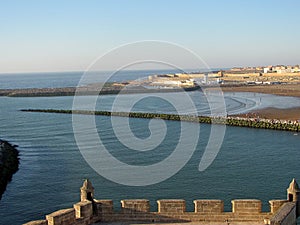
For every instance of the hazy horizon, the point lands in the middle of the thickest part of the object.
(83, 71)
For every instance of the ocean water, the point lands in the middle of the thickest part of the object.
(251, 163)
(71, 79)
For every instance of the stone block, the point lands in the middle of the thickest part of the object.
(276, 204)
(251, 206)
(209, 206)
(62, 217)
(83, 209)
(135, 205)
(104, 206)
(171, 206)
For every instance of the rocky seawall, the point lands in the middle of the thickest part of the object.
(9, 163)
(273, 124)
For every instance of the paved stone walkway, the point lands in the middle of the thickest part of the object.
(192, 223)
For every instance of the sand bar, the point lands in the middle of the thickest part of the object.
(280, 89)
(274, 113)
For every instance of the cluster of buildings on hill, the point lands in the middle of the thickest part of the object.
(282, 69)
(279, 74)
(267, 69)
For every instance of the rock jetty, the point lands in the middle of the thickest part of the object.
(9, 163)
(274, 124)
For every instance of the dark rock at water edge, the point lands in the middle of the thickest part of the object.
(9, 163)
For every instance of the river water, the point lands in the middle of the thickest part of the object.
(251, 163)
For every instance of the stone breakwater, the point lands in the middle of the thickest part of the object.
(274, 124)
(87, 90)
(9, 163)
(244, 211)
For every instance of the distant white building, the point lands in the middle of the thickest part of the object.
(267, 70)
(281, 69)
(296, 69)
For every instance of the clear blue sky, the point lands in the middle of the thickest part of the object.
(58, 35)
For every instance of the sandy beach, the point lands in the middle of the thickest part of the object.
(274, 113)
(281, 89)
(271, 113)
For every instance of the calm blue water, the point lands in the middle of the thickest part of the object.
(69, 79)
(252, 163)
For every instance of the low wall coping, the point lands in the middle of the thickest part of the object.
(246, 200)
(135, 200)
(171, 200)
(208, 200)
(83, 203)
(60, 212)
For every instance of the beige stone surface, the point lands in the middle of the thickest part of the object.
(192, 223)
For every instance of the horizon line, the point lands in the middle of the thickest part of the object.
(82, 71)
(109, 70)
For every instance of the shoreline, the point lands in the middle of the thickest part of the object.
(292, 90)
(288, 90)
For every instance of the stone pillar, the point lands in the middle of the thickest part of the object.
(87, 191)
(61, 217)
(171, 206)
(252, 206)
(135, 206)
(104, 209)
(276, 204)
(293, 195)
(209, 206)
(83, 209)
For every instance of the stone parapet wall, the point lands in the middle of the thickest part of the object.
(62, 217)
(84, 209)
(104, 206)
(209, 206)
(252, 206)
(138, 205)
(37, 222)
(286, 215)
(89, 210)
(228, 74)
(276, 204)
(169, 210)
(171, 206)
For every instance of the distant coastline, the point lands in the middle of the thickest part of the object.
(90, 90)
(292, 90)
(278, 80)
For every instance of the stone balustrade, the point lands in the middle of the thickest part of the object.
(86, 212)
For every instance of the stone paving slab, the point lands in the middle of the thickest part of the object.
(191, 223)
